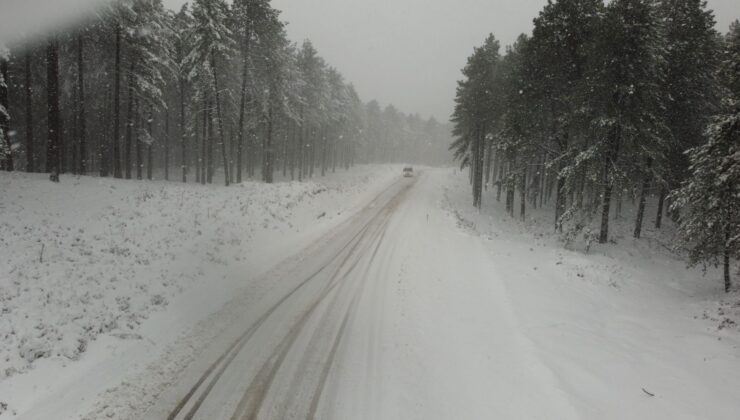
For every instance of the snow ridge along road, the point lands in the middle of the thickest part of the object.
(279, 366)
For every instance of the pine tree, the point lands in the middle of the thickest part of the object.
(30, 154)
(180, 27)
(710, 200)
(53, 155)
(476, 110)
(6, 155)
(730, 66)
(690, 87)
(312, 95)
(558, 58)
(81, 116)
(629, 109)
(211, 42)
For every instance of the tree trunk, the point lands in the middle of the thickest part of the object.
(74, 133)
(30, 156)
(489, 163)
(7, 160)
(267, 169)
(559, 202)
(604, 233)
(523, 193)
(104, 144)
(286, 138)
(166, 144)
(220, 121)
(324, 151)
(232, 154)
(196, 148)
(117, 108)
(312, 155)
(149, 160)
(608, 186)
(499, 181)
(476, 170)
(52, 107)
(661, 203)
(294, 148)
(137, 140)
(204, 140)
(242, 107)
(81, 124)
(130, 123)
(726, 262)
(643, 197)
(183, 141)
(210, 164)
(301, 143)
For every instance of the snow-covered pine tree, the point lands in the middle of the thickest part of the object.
(477, 110)
(28, 88)
(373, 129)
(211, 44)
(339, 107)
(628, 106)
(254, 23)
(148, 50)
(709, 201)
(180, 26)
(312, 70)
(6, 156)
(515, 139)
(276, 71)
(730, 66)
(691, 46)
(53, 158)
(355, 127)
(560, 51)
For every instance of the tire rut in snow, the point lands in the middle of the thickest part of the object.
(216, 370)
(250, 406)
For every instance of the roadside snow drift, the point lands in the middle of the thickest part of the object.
(627, 329)
(95, 256)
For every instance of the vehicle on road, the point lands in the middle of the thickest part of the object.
(408, 172)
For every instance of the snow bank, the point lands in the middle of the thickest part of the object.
(96, 256)
(627, 329)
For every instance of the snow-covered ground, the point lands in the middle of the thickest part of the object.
(415, 305)
(86, 263)
(615, 325)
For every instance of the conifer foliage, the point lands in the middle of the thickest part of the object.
(709, 199)
(605, 102)
(213, 91)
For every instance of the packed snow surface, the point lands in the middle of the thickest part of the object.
(430, 308)
(90, 257)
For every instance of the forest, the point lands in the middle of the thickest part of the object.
(215, 90)
(632, 100)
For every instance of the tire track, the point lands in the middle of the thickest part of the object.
(319, 390)
(227, 357)
(250, 405)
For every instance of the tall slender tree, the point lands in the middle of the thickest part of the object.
(6, 152)
(53, 157)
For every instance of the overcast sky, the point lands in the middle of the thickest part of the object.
(410, 52)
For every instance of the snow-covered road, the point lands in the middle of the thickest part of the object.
(401, 307)
(345, 333)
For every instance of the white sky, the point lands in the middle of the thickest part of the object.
(410, 52)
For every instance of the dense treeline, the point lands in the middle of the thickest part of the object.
(632, 99)
(214, 89)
